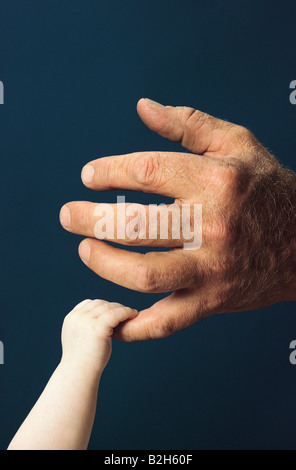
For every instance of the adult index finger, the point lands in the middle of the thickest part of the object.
(170, 174)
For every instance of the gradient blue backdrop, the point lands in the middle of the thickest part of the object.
(73, 72)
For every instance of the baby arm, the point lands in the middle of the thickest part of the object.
(63, 416)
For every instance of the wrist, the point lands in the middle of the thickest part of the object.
(81, 368)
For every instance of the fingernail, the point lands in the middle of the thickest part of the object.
(154, 103)
(84, 251)
(87, 173)
(65, 217)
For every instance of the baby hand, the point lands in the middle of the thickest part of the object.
(87, 332)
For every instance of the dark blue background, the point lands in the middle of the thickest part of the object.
(73, 72)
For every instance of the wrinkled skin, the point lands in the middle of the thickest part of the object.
(247, 260)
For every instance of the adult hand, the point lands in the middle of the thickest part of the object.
(247, 259)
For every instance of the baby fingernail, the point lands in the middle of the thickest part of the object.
(87, 174)
(65, 217)
(84, 251)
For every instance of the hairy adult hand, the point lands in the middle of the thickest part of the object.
(247, 259)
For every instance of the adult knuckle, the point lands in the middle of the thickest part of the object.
(110, 172)
(162, 327)
(195, 121)
(147, 170)
(222, 271)
(147, 278)
(243, 131)
(221, 231)
(243, 135)
(230, 179)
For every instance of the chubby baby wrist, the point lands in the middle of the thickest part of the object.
(81, 367)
